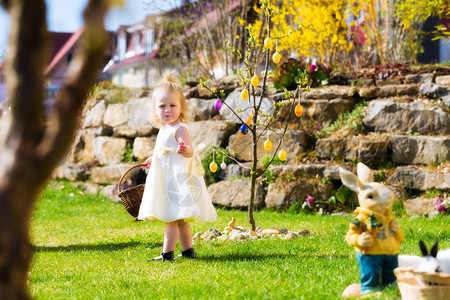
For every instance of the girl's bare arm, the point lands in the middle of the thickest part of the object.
(184, 142)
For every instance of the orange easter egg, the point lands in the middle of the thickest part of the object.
(298, 110)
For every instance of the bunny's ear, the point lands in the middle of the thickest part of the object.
(434, 249)
(364, 173)
(423, 248)
(350, 180)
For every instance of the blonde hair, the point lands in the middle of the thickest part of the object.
(170, 83)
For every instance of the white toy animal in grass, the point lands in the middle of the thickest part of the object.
(431, 262)
(373, 232)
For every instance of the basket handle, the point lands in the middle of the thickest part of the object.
(125, 174)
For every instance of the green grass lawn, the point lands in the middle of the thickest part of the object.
(87, 247)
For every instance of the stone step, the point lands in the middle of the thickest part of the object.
(281, 194)
(331, 92)
(313, 170)
(376, 150)
(293, 143)
(211, 133)
(420, 178)
(420, 150)
(321, 112)
(386, 91)
(388, 116)
(235, 193)
(443, 80)
(418, 206)
(130, 119)
(112, 174)
(370, 150)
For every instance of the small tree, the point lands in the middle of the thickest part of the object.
(250, 80)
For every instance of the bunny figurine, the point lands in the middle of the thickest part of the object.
(373, 232)
(431, 261)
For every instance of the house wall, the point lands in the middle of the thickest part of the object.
(137, 76)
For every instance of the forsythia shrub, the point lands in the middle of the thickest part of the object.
(323, 30)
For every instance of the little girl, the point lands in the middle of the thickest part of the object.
(175, 192)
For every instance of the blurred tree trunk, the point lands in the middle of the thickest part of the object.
(34, 143)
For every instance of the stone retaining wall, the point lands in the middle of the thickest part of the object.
(407, 119)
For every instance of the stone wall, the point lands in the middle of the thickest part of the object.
(407, 138)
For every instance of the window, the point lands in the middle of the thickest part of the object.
(149, 39)
(137, 40)
(122, 45)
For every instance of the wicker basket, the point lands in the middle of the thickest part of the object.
(422, 285)
(131, 198)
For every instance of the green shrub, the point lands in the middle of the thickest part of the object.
(270, 177)
(294, 72)
(127, 154)
(116, 94)
(220, 155)
(349, 122)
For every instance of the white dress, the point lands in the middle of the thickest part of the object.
(175, 188)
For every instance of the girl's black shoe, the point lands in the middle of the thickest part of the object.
(168, 256)
(189, 253)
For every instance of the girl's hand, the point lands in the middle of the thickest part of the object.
(181, 148)
(147, 163)
(184, 142)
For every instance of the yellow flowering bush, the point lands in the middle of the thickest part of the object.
(321, 27)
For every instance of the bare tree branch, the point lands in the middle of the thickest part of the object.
(33, 145)
(5, 4)
(282, 136)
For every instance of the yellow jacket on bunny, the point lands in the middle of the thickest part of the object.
(384, 240)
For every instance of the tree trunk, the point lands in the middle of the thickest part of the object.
(34, 143)
(251, 203)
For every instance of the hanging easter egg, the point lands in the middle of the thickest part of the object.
(213, 167)
(282, 155)
(249, 120)
(276, 57)
(268, 43)
(267, 145)
(298, 110)
(255, 80)
(223, 165)
(244, 94)
(244, 129)
(218, 104)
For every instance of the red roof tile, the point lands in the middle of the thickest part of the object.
(68, 46)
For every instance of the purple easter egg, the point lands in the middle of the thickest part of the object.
(223, 166)
(218, 104)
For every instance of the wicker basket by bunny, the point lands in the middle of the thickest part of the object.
(422, 285)
(131, 198)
